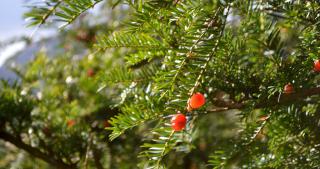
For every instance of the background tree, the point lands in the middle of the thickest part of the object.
(139, 63)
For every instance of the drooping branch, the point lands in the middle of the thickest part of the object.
(58, 163)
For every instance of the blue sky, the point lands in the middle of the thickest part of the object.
(11, 22)
(13, 25)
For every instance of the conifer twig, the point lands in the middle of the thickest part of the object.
(196, 84)
(284, 99)
(190, 52)
(164, 148)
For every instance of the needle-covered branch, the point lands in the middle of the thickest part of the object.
(283, 99)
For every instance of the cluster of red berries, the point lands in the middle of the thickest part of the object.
(179, 121)
(288, 88)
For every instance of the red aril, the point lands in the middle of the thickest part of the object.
(316, 65)
(288, 88)
(197, 100)
(178, 122)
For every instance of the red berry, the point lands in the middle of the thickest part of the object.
(90, 72)
(316, 65)
(197, 100)
(288, 88)
(178, 122)
(71, 123)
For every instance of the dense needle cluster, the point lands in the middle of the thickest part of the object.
(255, 62)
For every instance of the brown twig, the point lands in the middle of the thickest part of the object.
(284, 99)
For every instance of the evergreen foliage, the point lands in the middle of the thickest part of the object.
(240, 54)
(65, 11)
